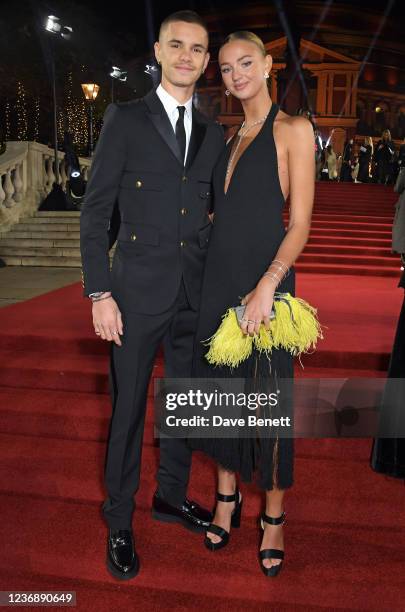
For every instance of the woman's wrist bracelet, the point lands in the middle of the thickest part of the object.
(280, 262)
(277, 272)
(273, 277)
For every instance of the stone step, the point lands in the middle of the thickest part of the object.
(57, 213)
(38, 242)
(19, 251)
(59, 235)
(47, 261)
(52, 220)
(51, 262)
(44, 227)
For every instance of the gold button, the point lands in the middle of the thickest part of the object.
(182, 243)
(138, 184)
(183, 211)
(133, 237)
(184, 179)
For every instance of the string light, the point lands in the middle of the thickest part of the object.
(21, 112)
(22, 117)
(7, 121)
(60, 124)
(35, 133)
(76, 117)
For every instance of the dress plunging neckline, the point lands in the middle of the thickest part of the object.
(230, 143)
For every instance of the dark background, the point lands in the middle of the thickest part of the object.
(122, 34)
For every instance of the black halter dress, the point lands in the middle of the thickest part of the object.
(247, 231)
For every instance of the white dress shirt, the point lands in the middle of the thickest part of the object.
(170, 105)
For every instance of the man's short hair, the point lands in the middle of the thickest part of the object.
(187, 16)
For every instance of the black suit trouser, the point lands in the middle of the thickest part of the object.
(130, 370)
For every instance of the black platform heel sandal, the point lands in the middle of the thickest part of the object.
(235, 521)
(271, 553)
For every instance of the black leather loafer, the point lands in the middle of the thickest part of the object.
(122, 560)
(189, 514)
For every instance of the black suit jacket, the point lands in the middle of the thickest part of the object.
(164, 230)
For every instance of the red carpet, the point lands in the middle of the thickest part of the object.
(345, 530)
(351, 231)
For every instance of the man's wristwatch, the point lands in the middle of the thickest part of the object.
(97, 294)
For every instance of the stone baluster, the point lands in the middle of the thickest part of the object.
(60, 170)
(63, 175)
(42, 176)
(50, 177)
(9, 189)
(18, 184)
(2, 193)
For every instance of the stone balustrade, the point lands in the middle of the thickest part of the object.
(26, 177)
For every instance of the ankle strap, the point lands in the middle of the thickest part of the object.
(228, 498)
(273, 521)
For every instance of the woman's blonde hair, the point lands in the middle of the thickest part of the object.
(248, 37)
(369, 141)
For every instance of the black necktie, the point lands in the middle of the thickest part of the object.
(181, 132)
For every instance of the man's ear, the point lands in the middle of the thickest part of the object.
(156, 47)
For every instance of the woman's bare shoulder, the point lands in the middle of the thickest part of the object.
(294, 122)
(294, 126)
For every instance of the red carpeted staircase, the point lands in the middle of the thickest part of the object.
(351, 231)
(345, 530)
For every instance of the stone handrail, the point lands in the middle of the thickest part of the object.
(26, 178)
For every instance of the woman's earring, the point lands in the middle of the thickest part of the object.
(266, 75)
(227, 92)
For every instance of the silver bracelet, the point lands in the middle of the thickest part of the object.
(281, 262)
(273, 273)
(273, 276)
(106, 297)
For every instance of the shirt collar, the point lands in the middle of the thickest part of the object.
(170, 104)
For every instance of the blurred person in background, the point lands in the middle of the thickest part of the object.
(331, 160)
(365, 155)
(346, 169)
(383, 156)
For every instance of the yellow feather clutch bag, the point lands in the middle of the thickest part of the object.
(294, 326)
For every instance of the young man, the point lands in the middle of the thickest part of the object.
(156, 155)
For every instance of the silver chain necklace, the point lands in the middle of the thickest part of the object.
(241, 134)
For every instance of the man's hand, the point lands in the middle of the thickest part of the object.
(107, 320)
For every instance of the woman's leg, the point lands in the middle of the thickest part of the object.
(222, 518)
(273, 534)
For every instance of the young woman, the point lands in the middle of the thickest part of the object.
(250, 255)
(331, 161)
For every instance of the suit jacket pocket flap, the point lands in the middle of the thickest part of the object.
(204, 188)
